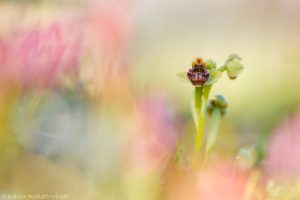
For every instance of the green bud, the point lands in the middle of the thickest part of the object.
(247, 157)
(233, 66)
(218, 102)
(233, 57)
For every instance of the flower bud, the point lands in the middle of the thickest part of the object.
(233, 66)
(246, 158)
(218, 102)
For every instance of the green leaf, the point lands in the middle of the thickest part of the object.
(215, 75)
(213, 131)
(183, 77)
(234, 68)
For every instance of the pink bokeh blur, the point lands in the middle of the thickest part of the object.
(283, 150)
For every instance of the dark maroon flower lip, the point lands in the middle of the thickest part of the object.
(198, 74)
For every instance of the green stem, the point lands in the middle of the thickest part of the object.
(201, 119)
(222, 68)
(213, 132)
(198, 100)
(196, 105)
(178, 153)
